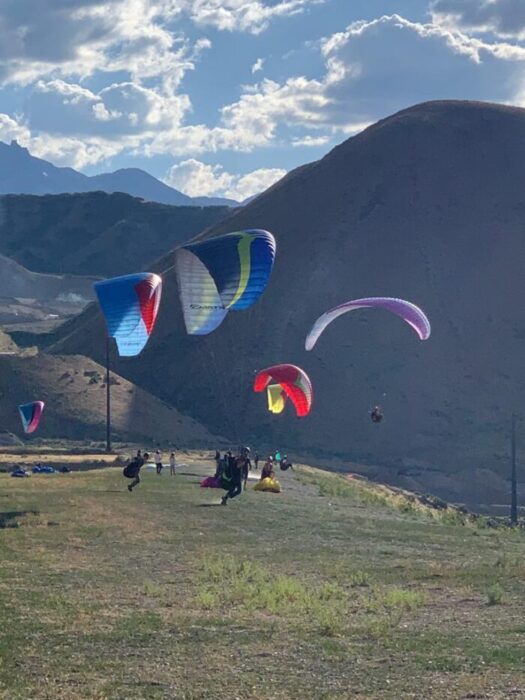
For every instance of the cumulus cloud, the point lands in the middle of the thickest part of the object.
(252, 16)
(310, 141)
(377, 67)
(198, 179)
(57, 107)
(79, 37)
(368, 70)
(65, 38)
(503, 18)
(62, 150)
(371, 69)
(11, 130)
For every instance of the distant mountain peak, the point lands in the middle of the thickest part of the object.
(23, 173)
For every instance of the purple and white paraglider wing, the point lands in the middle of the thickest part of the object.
(410, 313)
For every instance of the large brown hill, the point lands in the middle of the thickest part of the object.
(95, 233)
(74, 391)
(18, 282)
(428, 205)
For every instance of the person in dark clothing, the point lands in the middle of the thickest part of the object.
(246, 467)
(133, 469)
(217, 458)
(286, 464)
(158, 461)
(267, 471)
(256, 460)
(376, 415)
(221, 467)
(237, 470)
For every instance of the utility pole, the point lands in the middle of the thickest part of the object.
(108, 401)
(513, 476)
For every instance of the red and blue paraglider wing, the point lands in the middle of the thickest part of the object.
(130, 305)
(30, 413)
(295, 383)
(225, 273)
(410, 313)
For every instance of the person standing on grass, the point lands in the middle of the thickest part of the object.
(246, 464)
(173, 464)
(132, 471)
(158, 460)
(256, 460)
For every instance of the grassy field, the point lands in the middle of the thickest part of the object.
(332, 589)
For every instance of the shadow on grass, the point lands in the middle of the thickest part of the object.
(208, 505)
(99, 491)
(8, 518)
(200, 476)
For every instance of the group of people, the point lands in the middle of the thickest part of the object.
(132, 469)
(231, 469)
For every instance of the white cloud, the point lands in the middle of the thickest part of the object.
(198, 179)
(65, 38)
(258, 65)
(60, 150)
(11, 130)
(73, 151)
(376, 68)
(310, 141)
(503, 18)
(76, 38)
(252, 16)
(57, 107)
(371, 69)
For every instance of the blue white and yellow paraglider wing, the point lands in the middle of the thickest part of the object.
(229, 272)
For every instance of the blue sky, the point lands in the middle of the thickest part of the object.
(223, 97)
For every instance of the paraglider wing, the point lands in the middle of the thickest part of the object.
(130, 305)
(228, 272)
(409, 312)
(30, 413)
(202, 307)
(293, 380)
(276, 398)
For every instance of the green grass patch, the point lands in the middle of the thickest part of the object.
(233, 583)
(160, 594)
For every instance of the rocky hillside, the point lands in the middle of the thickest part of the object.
(95, 233)
(74, 391)
(427, 205)
(17, 281)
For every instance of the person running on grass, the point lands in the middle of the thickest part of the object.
(238, 469)
(173, 464)
(132, 471)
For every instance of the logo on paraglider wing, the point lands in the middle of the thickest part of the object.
(206, 306)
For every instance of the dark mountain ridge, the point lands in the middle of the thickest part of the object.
(427, 205)
(95, 233)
